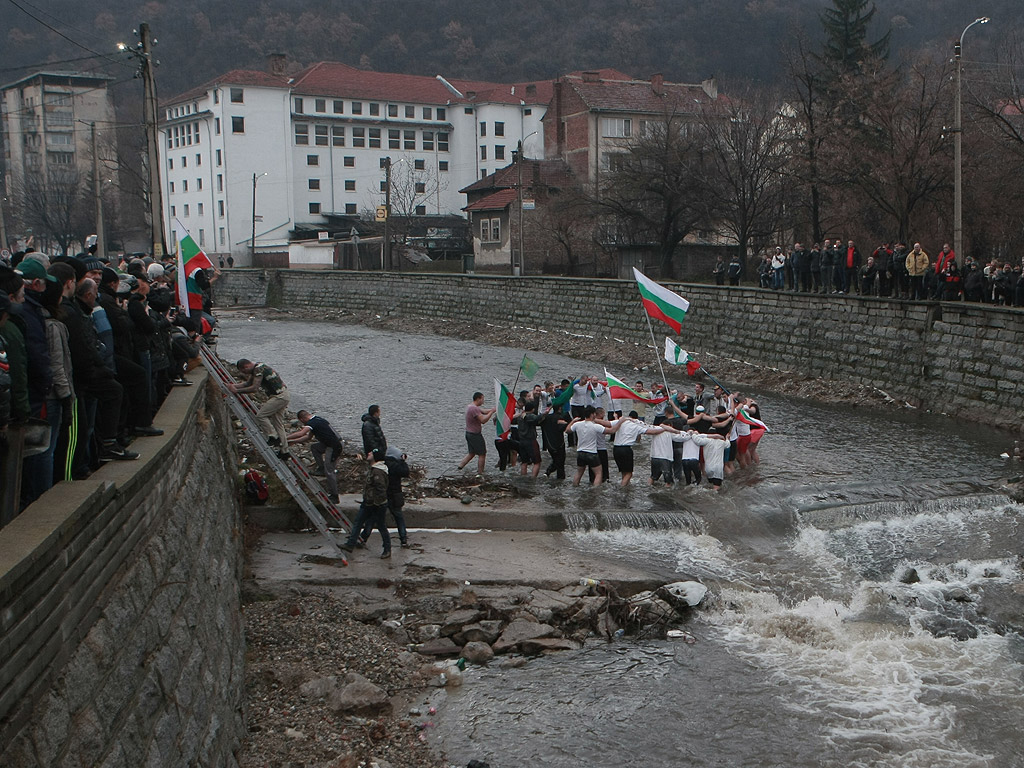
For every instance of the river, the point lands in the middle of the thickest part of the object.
(866, 581)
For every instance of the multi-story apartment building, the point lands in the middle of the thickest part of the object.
(47, 119)
(309, 151)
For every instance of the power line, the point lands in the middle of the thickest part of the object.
(43, 64)
(55, 103)
(61, 34)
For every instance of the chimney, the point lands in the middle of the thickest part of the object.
(710, 87)
(657, 84)
(276, 63)
(591, 77)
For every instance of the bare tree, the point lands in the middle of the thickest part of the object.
(654, 189)
(565, 224)
(53, 205)
(747, 146)
(413, 193)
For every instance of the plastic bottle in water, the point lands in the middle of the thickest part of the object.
(585, 582)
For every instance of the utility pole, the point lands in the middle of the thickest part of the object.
(101, 241)
(3, 222)
(387, 211)
(519, 164)
(156, 203)
(958, 129)
(252, 244)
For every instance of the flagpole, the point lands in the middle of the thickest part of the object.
(658, 357)
(518, 374)
(715, 380)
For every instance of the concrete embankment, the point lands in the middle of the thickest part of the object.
(948, 357)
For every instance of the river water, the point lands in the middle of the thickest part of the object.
(866, 579)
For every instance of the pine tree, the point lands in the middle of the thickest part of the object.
(846, 32)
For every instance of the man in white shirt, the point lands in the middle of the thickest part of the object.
(661, 452)
(627, 431)
(587, 432)
(714, 447)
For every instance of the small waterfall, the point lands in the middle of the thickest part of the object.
(581, 522)
(846, 515)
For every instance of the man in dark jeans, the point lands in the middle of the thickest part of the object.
(326, 448)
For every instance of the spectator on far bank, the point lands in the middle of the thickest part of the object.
(735, 269)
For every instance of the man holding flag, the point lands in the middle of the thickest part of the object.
(192, 260)
(476, 417)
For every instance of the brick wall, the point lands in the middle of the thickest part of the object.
(961, 359)
(121, 637)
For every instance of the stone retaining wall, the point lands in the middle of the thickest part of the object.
(961, 359)
(121, 637)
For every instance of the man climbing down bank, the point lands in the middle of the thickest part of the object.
(326, 448)
(271, 414)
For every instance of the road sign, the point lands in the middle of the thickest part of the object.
(528, 204)
(382, 213)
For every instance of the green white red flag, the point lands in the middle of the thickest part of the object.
(506, 405)
(661, 303)
(190, 258)
(746, 418)
(676, 355)
(619, 390)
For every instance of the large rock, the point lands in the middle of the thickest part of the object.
(477, 653)
(456, 620)
(539, 645)
(683, 595)
(482, 632)
(546, 604)
(358, 696)
(588, 611)
(442, 646)
(519, 630)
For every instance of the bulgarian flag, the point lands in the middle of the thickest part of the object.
(677, 356)
(190, 258)
(660, 302)
(620, 391)
(746, 418)
(506, 409)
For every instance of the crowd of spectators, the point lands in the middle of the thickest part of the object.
(893, 270)
(88, 351)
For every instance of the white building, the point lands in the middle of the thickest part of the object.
(314, 146)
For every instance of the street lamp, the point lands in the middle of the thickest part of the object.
(958, 203)
(252, 245)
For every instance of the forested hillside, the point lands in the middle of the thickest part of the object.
(686, 40)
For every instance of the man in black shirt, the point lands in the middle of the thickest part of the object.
(326, 447)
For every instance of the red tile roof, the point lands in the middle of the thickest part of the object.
(511, 93)
(552, 173)
(499, 201)
(627, 95)
(330, 78)
(251, 77)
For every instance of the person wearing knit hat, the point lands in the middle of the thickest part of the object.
(93, 267)
(108, 275)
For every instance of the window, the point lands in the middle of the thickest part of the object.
(350, 185)
(527, 111)
(220, 182)
(383, 162)
(216, 126)
(314, 207)
(338, 135)
(298, 105)
(616, 127)
(499, 152)
(172, 187)
(350, 162)
(339, 107)
(184, 185)
(442, 141)
(613, 161)
(185, 208)
(442, 113)
(427, 113)
(374, 109)
(219, 158)
(468, 110)
(410, 140)
(350, 208)
(199, 159)
(419, 165)
(421, 210)
(410, 112)
(483, 153)
(170, 163)
(301, 134)
(485, 230)
(202, 234)
(499, 129)
(216, 96)
(184, 162)
(483, 129)
(195, 130)
(236, 96)
(394, 137)
(357, 107)
(392, 110)
(173, 211)
(383, 186)
(312, 159)
(220, 208)
(199, 183)
(238, 125)
(443, 165)
(358, 137)
(320, 105)
(314, 183)
(375, 138)
(222, 235)
(496, 230)
(199, 209)
(483, 173)
(321, 135)
(421, 187)
(428, 141)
